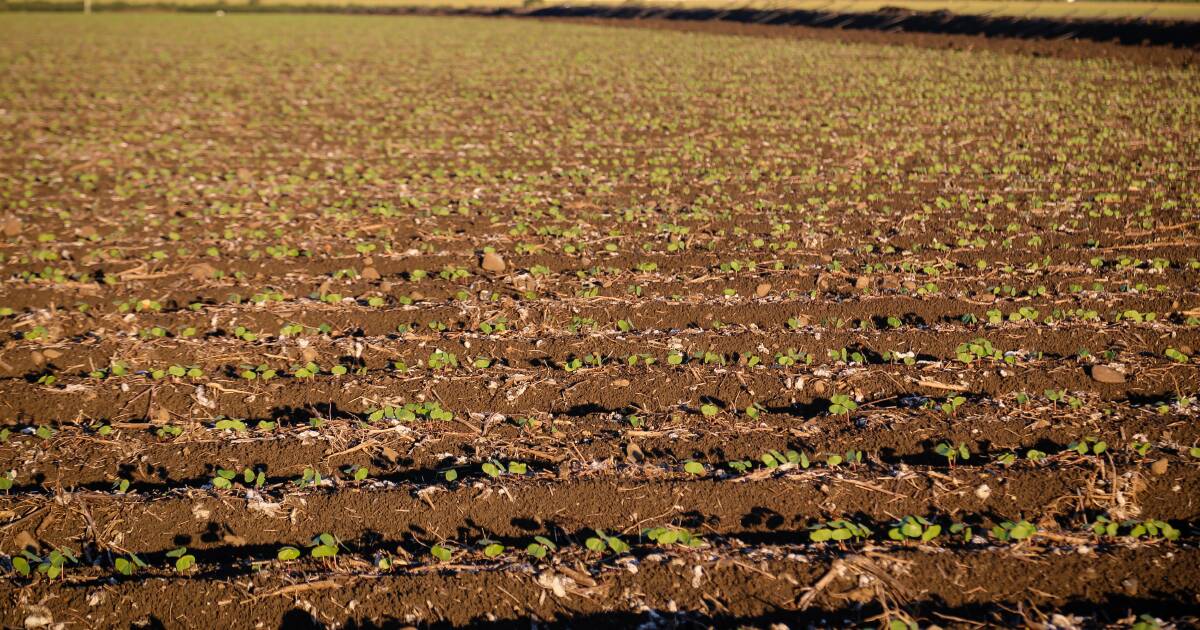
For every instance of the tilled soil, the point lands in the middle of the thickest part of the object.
(433, 321)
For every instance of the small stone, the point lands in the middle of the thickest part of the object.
(37, 358)
(51, 353)
(370, 273)
(862, 282)
(12, 227)
(983, 492)
(621, 382)
(1159, 467)
(1105, 374)
(493, 262)
(762, 290)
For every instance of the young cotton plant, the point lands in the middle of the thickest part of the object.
(493, 468)
(324, 546)
(129, 564)
(1089, 445)
(1010, 531)
(914, 528)
(410, 412)
(953, 453)
(540, 547)
(977, 349)
(52, 565)
(1151, 529)
(841, 404)
(602, 542)
(671, 535)
(184, 561)
(838, 531)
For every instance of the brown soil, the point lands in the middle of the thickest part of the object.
(753, 286)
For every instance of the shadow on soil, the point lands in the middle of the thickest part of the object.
(1114, 607)
(1128, 31)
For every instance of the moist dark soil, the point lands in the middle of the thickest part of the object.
(437, 321)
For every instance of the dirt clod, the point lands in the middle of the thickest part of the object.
(201, 271)
(1105, 374)
(1159, 467)
(493, 262)
(723, 319)
(25, 540)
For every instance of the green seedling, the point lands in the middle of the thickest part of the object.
(357, 473)
(950, 407)
(230, 424)
(128, 565)
(839, 530)
(774, 459)
(1088, 446)
(671, 535)
(540, 547)
(183, 560)
(953, 453)
(1009, 531)
(323, 546)
(491, 548)
(841, 404)
(914, 528)
(310, 477)
(963, 530)
(223, 480)
(602, 542)
(977, 349)
(440, 360)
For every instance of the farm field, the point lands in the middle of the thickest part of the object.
(1183, 10)
(1057, 9)
(368, 322)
